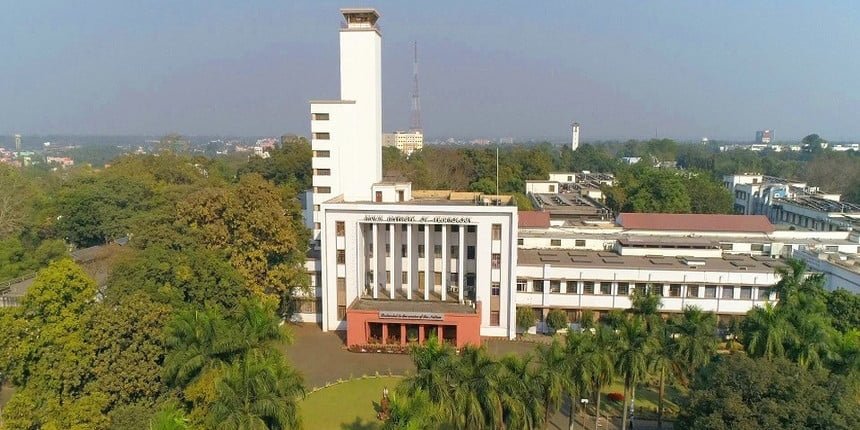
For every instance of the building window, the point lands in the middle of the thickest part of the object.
(437, 278)
(403, 227)
(537, 285)
(339, 228)
(746, 293)
(470, 252)
(322, 172)
(726, 246)
(497, 232)
(588, 287)
(404, 277)
(316, 208)
(437, 228)
(494, 318)
(470, 229)
(571, 287)
(341, 256)
(623, 289)
(757, 247)
(437, 251)
(521, 285)
(378, 197)
(421, 227)
(470, 279)
(322, 190)
(322, 136)
(606, 288)
(692, 291)
(497, 261)
(763, 293)
(554, 286)
(320, 117)
(519, 242)
(403, 251)
(401, 196)
(322, 154)
(370, 250)
(579, 242)
(495, 289)
(710, 291)
(341, 312)
(421, 251)
(455, 251)
(455, 228)
(674, 290)
(728, 293)
(388, 250)
(387, 276)
(555, 242)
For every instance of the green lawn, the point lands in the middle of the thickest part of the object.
(348, 406)
(645, 402)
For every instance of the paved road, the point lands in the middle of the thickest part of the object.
(322, 358)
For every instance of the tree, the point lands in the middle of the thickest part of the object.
(765, 332)
(646, 303)
(169, 417)
(843, 308)
(600, 359)
(695, 337)
(526, 318)
(556, 319)
(521, 397)
(665, 364)
(477, 392)
(552, 377)
(631, 359)
(289, 164)
(577, 349)
(259, 391)
(435, 365)
(738, 392)
(414, 412)
(13, 200)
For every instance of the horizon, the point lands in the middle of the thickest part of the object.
(624, 71)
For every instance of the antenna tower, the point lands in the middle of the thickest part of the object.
(415, 120)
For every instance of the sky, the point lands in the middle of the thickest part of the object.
(622, 69)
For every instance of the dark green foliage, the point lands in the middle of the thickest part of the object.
(736, 392)
(289, 164)
(525, 318)
(844, 309)
(556, 319)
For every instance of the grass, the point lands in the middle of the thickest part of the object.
(645, 403)
(348, 406)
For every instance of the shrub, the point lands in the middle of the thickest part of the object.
(525, 318)
(586, 321)
(615, 397)
(556, 319)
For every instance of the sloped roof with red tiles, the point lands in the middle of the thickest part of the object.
(533, 219)
(696, 222)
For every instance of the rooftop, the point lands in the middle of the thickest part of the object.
(532, 219)
(388, 305)
(696, 222)
(607, 259)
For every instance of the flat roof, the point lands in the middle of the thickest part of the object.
(695, 222)
(608, 259)
(443, 198)
(419, 305)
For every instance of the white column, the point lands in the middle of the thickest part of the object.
(445, 262)
(428, 262)
(392, 267)
(375, 260)
(410, 258)
(461, 262)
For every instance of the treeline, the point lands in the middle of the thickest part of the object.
(185, 332)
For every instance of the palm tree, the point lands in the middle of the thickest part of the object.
(634, 348)
(766, 330)
(414, 412)
(579, 369)
(646, 303)
(259, 391)
(845, 357)
(170, 417)
(521, 389)
(435, 374)
(665, 365)
(599, 358)
(259, 323)
(813, 343)
(477, 395)
(695, 337)
(197, 340)
(552, 378)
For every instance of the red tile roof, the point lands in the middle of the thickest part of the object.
(533, 219)
(696, 222)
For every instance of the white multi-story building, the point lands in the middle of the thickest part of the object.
(395, 265)
(406, 141)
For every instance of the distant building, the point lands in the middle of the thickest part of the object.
(764, 136)
(406, 141)
(705, 141)
(61, 161)
(17, 143)
(574, 136)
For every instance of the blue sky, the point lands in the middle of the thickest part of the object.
(625, 69)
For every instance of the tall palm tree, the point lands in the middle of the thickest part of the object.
(813, 343)
(665, 364)
(634, 348)
(579, 370)
(552, 378)
(845, 357)
(197, 341)
(521, 386)
(766, 330)
(259, 391)
(435, 374)
(478, 395)
(646, 303)
(695, 337)
(600, 359)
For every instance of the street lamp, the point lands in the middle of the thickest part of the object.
(584, 405)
